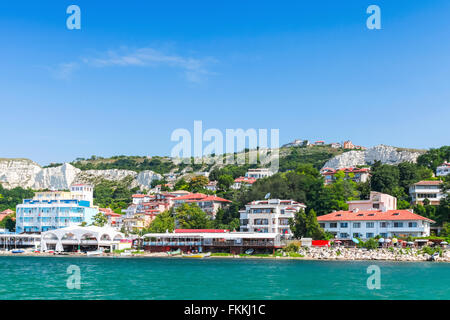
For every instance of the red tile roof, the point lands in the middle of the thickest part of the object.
(215, 198)
(245, 179)
(201, 230)
(377, 215)
(428, 183)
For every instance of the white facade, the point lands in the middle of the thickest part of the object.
(443, 169)
(430, 190)
(269, 216)
(258, 173)
(346, 225)
(53, 210)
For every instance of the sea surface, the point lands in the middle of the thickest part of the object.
(180, 278)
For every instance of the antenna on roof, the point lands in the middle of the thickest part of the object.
(267, 196)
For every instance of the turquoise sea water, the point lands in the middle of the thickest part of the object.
(178, 278)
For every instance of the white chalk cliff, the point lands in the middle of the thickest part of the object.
(383, 153)
(28, 174)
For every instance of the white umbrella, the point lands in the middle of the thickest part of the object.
(444, 243)
(387, 240)
(381, 240)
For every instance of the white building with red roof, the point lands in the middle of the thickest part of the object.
(269, 216)
(243, 181)
(355, 174)
(430, 190)
(366, 224)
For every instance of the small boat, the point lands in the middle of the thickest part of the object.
(197, 255)
(17, 251)
(94, 253)
(249, 251)
(173, 253)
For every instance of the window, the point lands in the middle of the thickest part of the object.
(369, 235)
(383, 235)
(398, 224)
(343, 235)
(370, 225)
(356, 224)
(322, 225)
(356, 235)
(344, 225)
(383, 224)
(333, 225)
(412, 224)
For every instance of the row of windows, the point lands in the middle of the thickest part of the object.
(357, 225)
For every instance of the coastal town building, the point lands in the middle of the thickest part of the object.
(258, 173)
(430, 190)
(5, 214)
(269, 216)
(76, 238)
(242, 182)
(443, 170)
(355, 174)
(212, 186)
(113, 218)
(52, 210)
(365, 224)
(208, 203)
(377, 201)
(349, 145)
(211, 240)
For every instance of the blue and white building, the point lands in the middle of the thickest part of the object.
(55, 209)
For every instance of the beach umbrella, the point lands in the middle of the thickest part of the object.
(388, 240)
(355, 240)
(410, 243)
(381, 240)
(394, 240)
(444, 243)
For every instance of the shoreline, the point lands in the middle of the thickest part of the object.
(401, 258)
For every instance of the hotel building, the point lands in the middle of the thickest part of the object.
(56, 209)
(355, 174)
(443, 169)
(269, 216)
(366, 224)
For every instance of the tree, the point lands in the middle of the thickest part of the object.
(181, 185)
(162, 223)
(198, 183)
(224, 182)
(100, 219)
(190, 216)
(306, 225)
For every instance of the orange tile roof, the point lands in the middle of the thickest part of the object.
(377, 215)
(428, 183)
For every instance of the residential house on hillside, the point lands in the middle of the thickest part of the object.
(209, 204)
(355, 174)
(443, 170)
(430, 190)
(258, 173)
(212, 186)
(242, 181)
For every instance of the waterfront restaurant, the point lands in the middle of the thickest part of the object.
(211, 240)
(76, 238)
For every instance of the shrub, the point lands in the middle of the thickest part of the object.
(292, 247)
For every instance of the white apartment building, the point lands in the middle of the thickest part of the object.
(269, 216)
(365, 224)
(430, 190)
(55, 209)
(443, 169)
(258, 173)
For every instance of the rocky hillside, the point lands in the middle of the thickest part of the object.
(28, 174)
(385, 154)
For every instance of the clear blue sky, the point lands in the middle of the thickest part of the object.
(137, 70)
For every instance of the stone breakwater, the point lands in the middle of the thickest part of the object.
(394, 254)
